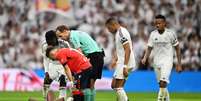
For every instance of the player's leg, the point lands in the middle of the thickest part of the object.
(46, 84)
(162, 85)
(62, 81)
(85, 84)
(96, 70)
(158, 76)
(118, 83)
(165, 74)
(120, 92)
(163, 77)
(62, 86)
(57, 73)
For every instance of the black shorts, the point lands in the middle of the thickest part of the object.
(97, 62)
(83, 79)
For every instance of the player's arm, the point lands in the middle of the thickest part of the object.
(127, 50)
(175, 43)
(147, 54)
(68, 73)
(178, 53)
(148, 50)
(114, 60)
(124, 41)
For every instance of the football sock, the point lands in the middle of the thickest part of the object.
(87, 94)
(62, 92)
(121, 94)
(93, 93)
(167, 95)
(45, 90)
(162, 94)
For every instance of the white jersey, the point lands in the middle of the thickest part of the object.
(162, 45)
(46, 60)
(122, 37)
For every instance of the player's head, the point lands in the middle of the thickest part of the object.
(112, 25)
(51, 52)
(63, 32)
(160, 22)
(51, 38)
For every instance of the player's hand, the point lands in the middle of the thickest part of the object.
(125, 72)
(113, 64)
(179, 68)
(143, 61)
(71, 84)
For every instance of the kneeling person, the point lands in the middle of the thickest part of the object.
(77, 63)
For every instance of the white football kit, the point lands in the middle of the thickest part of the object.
(163, 52)
(54, 68)
(122, 37)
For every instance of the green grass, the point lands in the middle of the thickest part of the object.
(103, 96)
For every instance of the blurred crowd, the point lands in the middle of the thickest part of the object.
(21, 31)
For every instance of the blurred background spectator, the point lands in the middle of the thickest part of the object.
(22, 27)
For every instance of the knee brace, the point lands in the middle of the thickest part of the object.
(62, 81)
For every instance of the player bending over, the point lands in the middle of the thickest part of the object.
(53, 69)
(77, 63)
(84, 42)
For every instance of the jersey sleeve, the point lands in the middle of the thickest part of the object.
(150, 41)
(174, 40)
(123, 37)
(75, 42)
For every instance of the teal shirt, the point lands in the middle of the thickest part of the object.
(83, 41)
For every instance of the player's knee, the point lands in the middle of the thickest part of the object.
(62, 80)
(47, 81)
(163, 84)
(113, 86)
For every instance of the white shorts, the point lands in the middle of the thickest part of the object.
(55, 71)
(118, 73)
(163, 72)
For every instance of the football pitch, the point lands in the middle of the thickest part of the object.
(103, 96)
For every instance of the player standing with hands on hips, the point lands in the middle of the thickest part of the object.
(124, 60)
(163, 41)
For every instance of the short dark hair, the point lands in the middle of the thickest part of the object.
(160, 17)
(51, 38)
(61, 28)
(111, 21)
(48, 50)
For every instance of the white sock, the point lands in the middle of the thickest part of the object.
(46, 88)
(161, 94)
(62, 92)
(121, 94)
(167, 95)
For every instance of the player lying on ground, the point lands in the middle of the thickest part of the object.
(77, 63)
(53, 69)
(162, 42)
